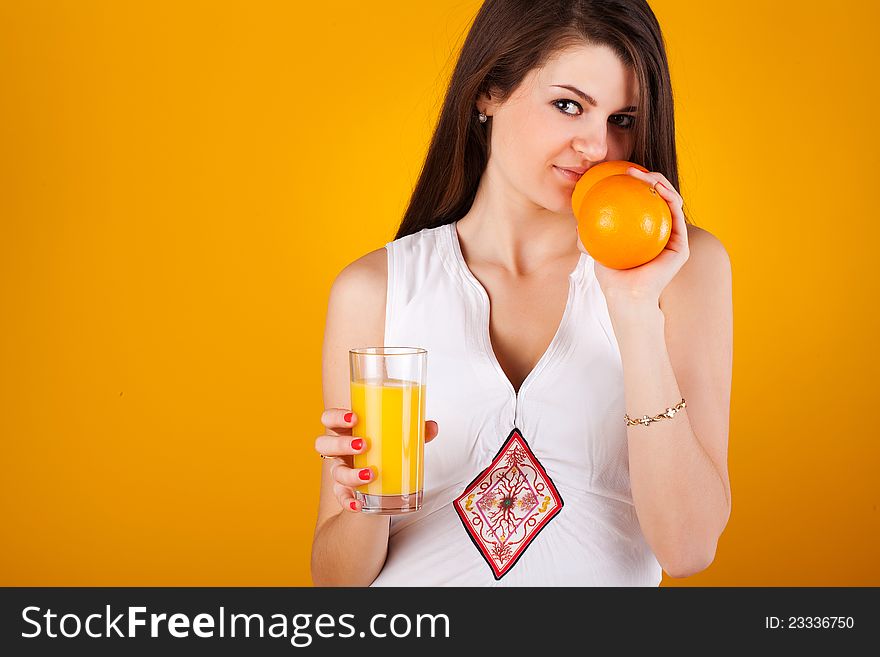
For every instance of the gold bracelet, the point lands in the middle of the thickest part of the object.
(645, 420)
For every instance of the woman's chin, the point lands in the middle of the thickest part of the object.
(564, 204)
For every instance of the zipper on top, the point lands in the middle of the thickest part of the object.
(485, 338)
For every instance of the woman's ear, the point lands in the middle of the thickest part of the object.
(487, 103)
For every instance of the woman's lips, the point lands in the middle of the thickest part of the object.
(569, 175)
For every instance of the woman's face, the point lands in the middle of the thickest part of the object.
(543, 126)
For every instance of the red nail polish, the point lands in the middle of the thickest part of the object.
(347, 417)
(354, 506)
(357, 444)
(365, 474)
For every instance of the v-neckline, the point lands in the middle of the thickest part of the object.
(485, 336)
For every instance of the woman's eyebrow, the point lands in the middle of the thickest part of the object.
(588, 98)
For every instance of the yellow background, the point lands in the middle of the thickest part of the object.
(180, 182)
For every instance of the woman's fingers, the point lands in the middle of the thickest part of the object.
(346, 480)
(339, 445)
(653, 177)
(345, 497)
(351, 477)
(340, 420)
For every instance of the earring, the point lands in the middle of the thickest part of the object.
(483, 117)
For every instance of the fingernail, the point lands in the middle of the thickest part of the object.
(365, 474)
(347, 417)
(353, 505)
(663, 186)
(357, 444)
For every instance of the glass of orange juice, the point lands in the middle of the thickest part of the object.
(388, 397)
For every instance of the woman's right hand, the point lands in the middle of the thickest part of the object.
(346, 479)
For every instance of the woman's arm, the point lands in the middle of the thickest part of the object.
(349, 549)
(678, 466)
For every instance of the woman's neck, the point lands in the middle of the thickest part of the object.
(516, 243)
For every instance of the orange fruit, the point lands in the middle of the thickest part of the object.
(595, 174)
(623, 222)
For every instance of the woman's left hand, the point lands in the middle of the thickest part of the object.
(645, 283)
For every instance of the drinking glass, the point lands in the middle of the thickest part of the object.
(388, 398)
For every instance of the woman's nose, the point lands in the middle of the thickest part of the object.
(592, 143)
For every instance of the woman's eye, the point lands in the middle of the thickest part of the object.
(566, 102)
(628, 121)
(627, 124)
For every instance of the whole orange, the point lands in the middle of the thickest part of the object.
(623, 222)
(595, 174)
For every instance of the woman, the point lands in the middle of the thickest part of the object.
(534, 346)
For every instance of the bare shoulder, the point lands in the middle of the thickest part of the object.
(369, 267)
(356, 308)
(364, 280)
(708, 266)
(705, 245)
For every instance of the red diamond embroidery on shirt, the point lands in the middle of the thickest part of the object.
(505, 507)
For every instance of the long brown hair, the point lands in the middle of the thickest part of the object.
(507, 40)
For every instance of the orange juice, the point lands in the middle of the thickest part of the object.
(391, 420)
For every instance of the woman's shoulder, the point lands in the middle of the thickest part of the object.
(366, 276)
(703, 238)
(356, 307)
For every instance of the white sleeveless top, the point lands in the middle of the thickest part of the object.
(569, 411)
